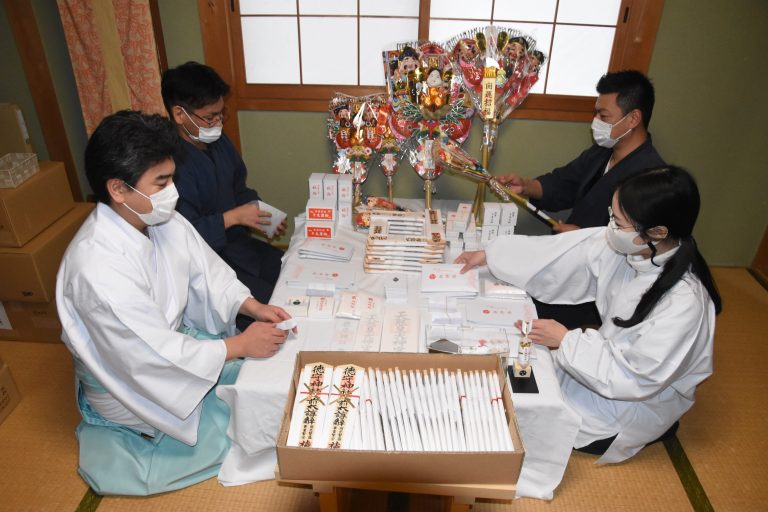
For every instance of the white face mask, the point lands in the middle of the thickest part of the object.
(622, 241)
(204, 134)
(601, 132)
(163, 204)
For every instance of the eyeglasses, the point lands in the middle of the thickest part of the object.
(612, 221)
(212, 119)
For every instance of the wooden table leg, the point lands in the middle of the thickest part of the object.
(456, 504)
(329, 500)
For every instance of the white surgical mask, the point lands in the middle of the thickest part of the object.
(601, 132)
(204, 134)
(623, 241)
(163, 204)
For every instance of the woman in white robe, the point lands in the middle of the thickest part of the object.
(634, 377)
(148, 311)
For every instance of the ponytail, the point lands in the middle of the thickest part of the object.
(687, 258)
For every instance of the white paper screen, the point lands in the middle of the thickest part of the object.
(329, 50)
(348, 7)
(389, 8)
(594, 12)
(267, 6)
(261, 37)
(525, 10)
(580, 56)
(476, 9)
(377, 35)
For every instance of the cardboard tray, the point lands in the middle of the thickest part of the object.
(317, 464)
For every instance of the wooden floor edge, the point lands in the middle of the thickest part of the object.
(90, 502)
(759, 277)
(693, 488)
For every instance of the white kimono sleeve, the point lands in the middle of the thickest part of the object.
(215, 294)
(557, 269)
(638, 362)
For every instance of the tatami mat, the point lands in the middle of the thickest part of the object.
(725, 434)
(209, 495)
(38, 449)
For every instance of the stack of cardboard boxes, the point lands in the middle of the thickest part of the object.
(38, 219)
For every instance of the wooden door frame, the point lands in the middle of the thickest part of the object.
(759, 267)
(21, 18)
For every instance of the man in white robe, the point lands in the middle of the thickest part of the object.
(148, 311)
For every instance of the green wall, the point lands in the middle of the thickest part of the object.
(709, 75)
(708, 70)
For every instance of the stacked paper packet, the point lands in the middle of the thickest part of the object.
(404, 241)
(447, 279)
(461, 230)
(319, 278)
(318, 249)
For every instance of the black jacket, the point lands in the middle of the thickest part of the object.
(582, 186)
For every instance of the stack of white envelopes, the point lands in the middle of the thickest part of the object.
(404, 241)
(328, 250)
(447, 279)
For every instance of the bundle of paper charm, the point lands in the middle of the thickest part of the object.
(349, 407)
(404, 241)
(321, 278)
(461, 231)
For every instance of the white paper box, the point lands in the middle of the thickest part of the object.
(330, 187)
(491, 214)
(344, 189)
(278, 216)
(316, 185)
(321, 209)
(507, 230)
(488, 233)
(508, 214)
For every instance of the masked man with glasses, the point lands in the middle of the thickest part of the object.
(211, 179)
(622, 148)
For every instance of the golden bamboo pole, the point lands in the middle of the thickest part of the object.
(478, 204)
(428, 194)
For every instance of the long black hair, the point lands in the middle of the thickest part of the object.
(667, 196)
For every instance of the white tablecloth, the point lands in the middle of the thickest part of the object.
(547, 425)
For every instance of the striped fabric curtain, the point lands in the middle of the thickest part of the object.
(114, 56)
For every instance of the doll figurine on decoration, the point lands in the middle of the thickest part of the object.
(343, 138)
(408, 63)
(434, 93)
(512, 54)
(371, 136)
(468, 61)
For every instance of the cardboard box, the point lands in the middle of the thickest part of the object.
(9, 393)
(16, 168)
(317, 464)
(14, 136)
(28, 273)
(29, 321)
(25, 211)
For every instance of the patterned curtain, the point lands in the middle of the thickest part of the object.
(114, 56)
